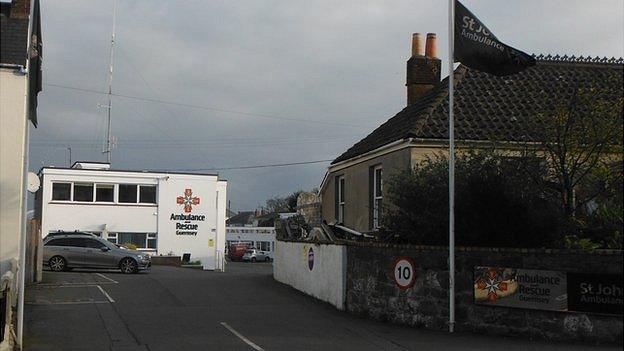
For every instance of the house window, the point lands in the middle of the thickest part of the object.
(147, 194)
(377, 193)
(140, 240)
(104, 192)
(83, 192)
(61, 191)
(128, 193)
(340, 198)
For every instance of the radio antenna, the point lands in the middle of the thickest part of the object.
(109, 139)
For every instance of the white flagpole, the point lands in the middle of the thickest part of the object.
(451, 171)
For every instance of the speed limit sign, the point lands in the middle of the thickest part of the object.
(404, 273)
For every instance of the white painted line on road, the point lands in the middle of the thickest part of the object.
(105, 294)
(107, 278)
(69, 285)
(240, 336)
(64, 303)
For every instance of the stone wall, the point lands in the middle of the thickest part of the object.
(372, 292)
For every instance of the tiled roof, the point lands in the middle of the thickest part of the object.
(488, 107)
(241, 218)
(13, 38)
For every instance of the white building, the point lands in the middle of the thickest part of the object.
(261, 238)
(160, 213)
(20, 82)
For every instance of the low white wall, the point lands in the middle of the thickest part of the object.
(326, 280)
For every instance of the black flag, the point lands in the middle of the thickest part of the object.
(476, 47)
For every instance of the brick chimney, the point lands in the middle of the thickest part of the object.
(20, 9)
(423, 68)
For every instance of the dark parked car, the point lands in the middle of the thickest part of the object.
(63, 251)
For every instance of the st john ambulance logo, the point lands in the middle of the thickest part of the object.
(188, 200)
(493, 283)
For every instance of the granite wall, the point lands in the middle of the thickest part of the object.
(372, 292)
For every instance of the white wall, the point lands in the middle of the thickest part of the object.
(203, 245)
(326, 280)
(70, 216)
(13, 132)
(221, 218)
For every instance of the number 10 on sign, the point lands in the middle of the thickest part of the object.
(404, 273)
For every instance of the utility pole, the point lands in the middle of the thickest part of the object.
(70, 158)
(109, 140)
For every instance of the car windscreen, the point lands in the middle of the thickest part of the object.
(249, 251)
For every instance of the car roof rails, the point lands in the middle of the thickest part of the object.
(62, 232)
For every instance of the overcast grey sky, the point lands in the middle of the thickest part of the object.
(338, 66)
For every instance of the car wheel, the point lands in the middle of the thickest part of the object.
(128, 266)
(253, 259)
(57, 264)
(268, 259)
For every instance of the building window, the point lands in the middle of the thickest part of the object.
(112, 237)
(265, 246)
(147, 194)
(340, 198)
(104, 192)
(128, 193)
(377, 194)
(83, 192)
(151, 241)
(61, 191)
(140, 240)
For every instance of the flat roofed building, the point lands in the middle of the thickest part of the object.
(162, 213)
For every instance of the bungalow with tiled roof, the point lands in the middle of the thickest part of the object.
(487, 108)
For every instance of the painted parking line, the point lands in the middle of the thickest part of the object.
(80, 300)
(107, 278)
(69, 284)
(242, 337)
(47, 303)
(106, 294)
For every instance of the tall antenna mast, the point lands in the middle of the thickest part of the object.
(109, 140)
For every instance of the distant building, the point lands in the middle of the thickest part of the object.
(488, 108)
(159, 213)
(240, 219)
(261, 238)
(20, 82)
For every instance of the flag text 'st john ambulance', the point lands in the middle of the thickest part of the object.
(476, 47)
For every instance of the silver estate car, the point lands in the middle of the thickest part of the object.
(254, 255)
(63, 251)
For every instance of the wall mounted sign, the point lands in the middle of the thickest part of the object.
(524, 288)
(310, 258)
(596, 293)
(404, 272)
(548, 290)
(185, 222)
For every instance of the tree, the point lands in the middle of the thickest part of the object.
(578, 138)
(283, 204)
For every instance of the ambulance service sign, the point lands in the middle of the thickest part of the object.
(524, 288)
(548, 290)
(187, 223)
